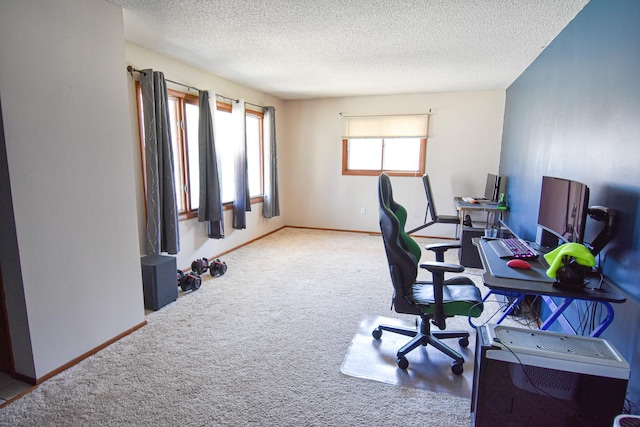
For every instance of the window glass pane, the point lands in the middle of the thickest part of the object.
(225, 153)
(177, 155)
(253, 154)
(402, 154)
(365, 153)
(192, 119)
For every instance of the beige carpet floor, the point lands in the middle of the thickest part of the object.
(260, 346)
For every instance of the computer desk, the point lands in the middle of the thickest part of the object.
(503, 280)
(480, 206)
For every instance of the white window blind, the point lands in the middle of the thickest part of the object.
(399, 126)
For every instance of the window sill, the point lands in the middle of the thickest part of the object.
(362, 172)
(225, 206)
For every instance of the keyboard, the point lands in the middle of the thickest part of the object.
(518, 248)
(514, 248)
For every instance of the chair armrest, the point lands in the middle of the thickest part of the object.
(443, 247)
(442, 267)
(440, 248)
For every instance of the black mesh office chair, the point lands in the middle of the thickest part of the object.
(432, 301)
(431, 211)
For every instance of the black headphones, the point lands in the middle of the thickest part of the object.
(571, 274)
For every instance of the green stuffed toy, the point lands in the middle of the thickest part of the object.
(581, 253)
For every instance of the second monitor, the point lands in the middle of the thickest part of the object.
(494, 186)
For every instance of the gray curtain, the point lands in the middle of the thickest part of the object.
(210, 209)
(271, 205)
(162, 211)
(242, 200)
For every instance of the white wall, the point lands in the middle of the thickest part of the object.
(194, 242)
(68, 144)
(465, 131)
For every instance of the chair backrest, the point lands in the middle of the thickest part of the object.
(403, 253)
(430, 204)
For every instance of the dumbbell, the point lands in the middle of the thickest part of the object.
(217, 268)
(189, 281)
(200, 266)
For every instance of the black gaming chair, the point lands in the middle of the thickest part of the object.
(432, 301)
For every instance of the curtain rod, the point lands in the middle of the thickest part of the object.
(131, 70)
(384, 115)
(237, 100)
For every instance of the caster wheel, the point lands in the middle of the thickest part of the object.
(402, 362)
(377, 333)
(457, 368)
(464, 342)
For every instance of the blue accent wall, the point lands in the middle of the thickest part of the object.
(575, 113)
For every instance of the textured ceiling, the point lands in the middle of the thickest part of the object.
(329, 48)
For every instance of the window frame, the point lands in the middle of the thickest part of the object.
(184, 98)
(377, 172)
(187, 213)
(226, 107)
(260, 116)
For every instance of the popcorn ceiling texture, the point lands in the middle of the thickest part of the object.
(330, 48)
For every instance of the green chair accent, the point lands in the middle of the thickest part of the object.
(433, 301)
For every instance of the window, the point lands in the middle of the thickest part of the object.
(255, 152)
(184, 121)
(372, 156)
(392, 144)
(226, 152)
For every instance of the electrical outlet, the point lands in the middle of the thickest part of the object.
(363, 211)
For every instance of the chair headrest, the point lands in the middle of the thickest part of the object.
(402, 262)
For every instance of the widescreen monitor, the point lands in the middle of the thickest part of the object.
(562, 213)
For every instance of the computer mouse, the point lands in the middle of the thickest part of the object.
(518, 263)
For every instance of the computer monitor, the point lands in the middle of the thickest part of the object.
(491, 187)
(502, 187)
(562, 214)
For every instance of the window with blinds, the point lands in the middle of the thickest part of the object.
(395, 145)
